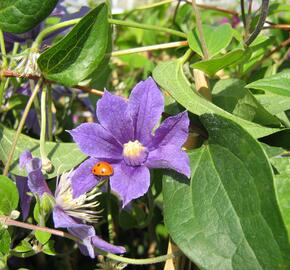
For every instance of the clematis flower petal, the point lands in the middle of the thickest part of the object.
(83, 180)
(130, 182)
(96, 141)
(103, 245)
(174, 131)
(84, 232)
(36, 181)
(145, 105)
(169, 157)
(25, 199)
(113, 115)
(24, 158)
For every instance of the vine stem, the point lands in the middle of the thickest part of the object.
(109, 215)
(10, 222)
(21, 125)
(260, 24)
(200, 30)
(46, 163)
(4, 65)
(52, 28)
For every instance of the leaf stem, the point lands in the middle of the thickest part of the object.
(260, 24)
(53, 28)
(21, 125)
(46, 163)
(3, 50)
(109, 215)
(148, 27)
(200, 30)
(10, 222)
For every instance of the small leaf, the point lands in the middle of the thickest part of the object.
(20, 16)
(24, 246)
(64, 156)
(277, 84)
(5, 241)
(8, 195)
(227, 217)
(213, 65)
(282, 184)
(48, 248)
(216, 38)
(80, 52)
(232, 96)
(42, 237)
(169, 75)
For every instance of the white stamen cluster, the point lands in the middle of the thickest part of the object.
(82, 207)
(28, 64)
(132, 149)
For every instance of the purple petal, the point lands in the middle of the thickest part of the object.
(61, 219)
(169, 157)
(96, 141)
(174, 131)
(24, 158)
(130, 182)
(36, 181)
(83, 180)
(113, 115)
(146, 104)
(105, 246)
(25, 199)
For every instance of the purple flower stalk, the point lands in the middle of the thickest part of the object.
(123, 137)
(68, 212)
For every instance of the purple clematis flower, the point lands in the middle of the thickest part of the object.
(123, 137)
(68, 212)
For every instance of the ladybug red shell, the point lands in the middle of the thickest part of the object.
(102, 168)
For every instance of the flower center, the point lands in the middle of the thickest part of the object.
(82, 207)
(134, 153)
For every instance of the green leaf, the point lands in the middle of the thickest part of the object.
(277, 84)
(64, 156)
(42, 237)
(80, 52)
(227, 216)
(5, 241)
(232, 96)
(169, 75)
(16, 102)
(216, 38)
(48, 248)
(24, 246)
(213, 65)
(282, 184)
(275, 104)
(18, 16)
(8, 195)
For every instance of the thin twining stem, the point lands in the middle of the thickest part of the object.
(10, 222)
(21, 125)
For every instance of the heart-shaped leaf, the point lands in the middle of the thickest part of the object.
(63, 156)
(8, 195)
(80, 52)
(216, 38)
(227, 216)
(18, 16)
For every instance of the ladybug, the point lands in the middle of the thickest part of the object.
(102, 168)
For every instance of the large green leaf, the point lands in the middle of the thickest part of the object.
(277, 84)
(64, 156)
(213, 65)
(5, 241)
(216, 38)
(8, 195)
(275, 104)
(169, 75)
(80, 52)
(282, 183)
(18, 16)
(227, 216)
(232, 96)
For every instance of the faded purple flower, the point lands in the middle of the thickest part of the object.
(69, 212)
(123, 137)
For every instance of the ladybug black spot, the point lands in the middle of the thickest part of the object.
(99, 165)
